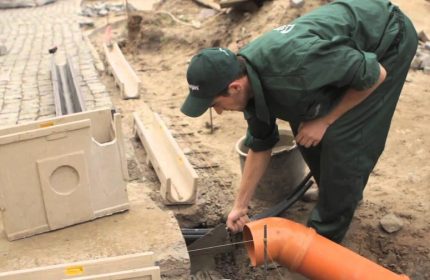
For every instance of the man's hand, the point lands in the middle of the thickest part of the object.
(311, 132)
(237, 219)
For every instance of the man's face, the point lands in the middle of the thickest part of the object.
(235, 99)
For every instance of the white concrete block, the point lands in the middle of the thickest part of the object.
(61, 171)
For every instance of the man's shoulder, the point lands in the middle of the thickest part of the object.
(278, 51)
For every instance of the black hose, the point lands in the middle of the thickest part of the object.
(299, 191)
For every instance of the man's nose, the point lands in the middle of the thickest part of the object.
(218, 109)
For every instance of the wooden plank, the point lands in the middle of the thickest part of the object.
(177, 177)
(124, 75)
(84, 268)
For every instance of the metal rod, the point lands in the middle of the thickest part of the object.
(211, 122)
(218, 246)
(265, 251)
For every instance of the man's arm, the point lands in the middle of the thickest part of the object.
(311, 132)
(255, 166)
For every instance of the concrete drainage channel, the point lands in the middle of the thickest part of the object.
(67, 94)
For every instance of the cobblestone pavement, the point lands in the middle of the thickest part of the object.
(26, 92)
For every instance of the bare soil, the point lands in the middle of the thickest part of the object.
(159, 47)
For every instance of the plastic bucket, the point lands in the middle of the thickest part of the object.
(285, 171)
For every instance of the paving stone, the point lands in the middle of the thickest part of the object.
(7, 109)
(43, 77)
(47, 110)
(26, 120)
(12, 97)
(6, 122)
(103, 104)
(90, 104)
(101, 96)
(29, 87)
(32, 115)
(46, 91)
(9, 116)
(98, 88)
(29, 104)
(13, 87)
(30, 98)
(42, 83)
(47, 116)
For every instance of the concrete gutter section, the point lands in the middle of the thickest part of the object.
(177, 177)
(125, 77)
(67, 93)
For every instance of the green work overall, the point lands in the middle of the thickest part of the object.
(299, 72)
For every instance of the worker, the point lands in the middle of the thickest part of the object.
(335, 74)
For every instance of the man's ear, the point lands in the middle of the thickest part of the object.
(234, 87)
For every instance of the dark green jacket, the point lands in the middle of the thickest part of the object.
(298, 71)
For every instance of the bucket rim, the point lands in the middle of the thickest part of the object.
(278, 151)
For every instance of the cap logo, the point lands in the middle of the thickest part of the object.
(224, 51)
(194, 87)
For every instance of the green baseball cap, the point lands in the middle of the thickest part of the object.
(209, 73)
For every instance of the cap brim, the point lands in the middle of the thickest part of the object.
(195, 106)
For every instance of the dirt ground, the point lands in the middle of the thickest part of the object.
(159, 47)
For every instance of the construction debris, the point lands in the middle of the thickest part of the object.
(86, 22)
(422, 36)
(210, 4)
(23, 3)
(391, 223)
(231, 3)
(297, 3)
(421, 60)
(100, 9)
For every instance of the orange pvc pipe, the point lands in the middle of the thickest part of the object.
(302, 250)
